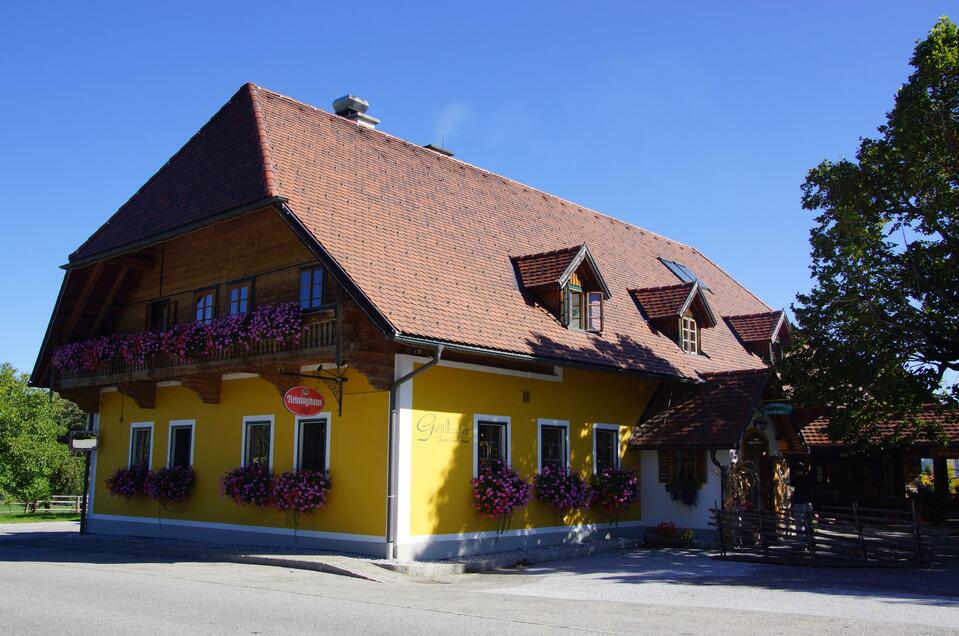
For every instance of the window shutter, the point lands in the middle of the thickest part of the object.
(665, 465)
(564, 305)
(701, 466)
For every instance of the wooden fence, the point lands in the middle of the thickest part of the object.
(56, 503)
(866, 536)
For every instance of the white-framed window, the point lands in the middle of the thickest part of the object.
(491, 440)
(141, 444)
(552, 448)
(606, 447)
(180, 443)
(311, 443)
(205, 304)
(689, 335)
(257, 447)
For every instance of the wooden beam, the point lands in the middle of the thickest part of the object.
(142, 392)
(87, 399)
(82, 301)
(282, 381)
(207, 387)
(134, 261)
(108, 303)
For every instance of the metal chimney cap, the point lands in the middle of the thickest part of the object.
(350, 104)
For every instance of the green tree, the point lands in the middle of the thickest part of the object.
(35, 460)
(878, 335)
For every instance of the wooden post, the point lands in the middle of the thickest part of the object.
(762, 531)
(810, 539)
(720, 529)
(862, 539)
(915, 531)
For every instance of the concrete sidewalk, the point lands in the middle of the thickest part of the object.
(65, 535)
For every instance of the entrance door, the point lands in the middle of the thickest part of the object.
(755, 452)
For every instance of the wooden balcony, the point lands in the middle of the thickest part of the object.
(316, 344)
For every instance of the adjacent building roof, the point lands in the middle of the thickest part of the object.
(816, 434)
(427, 238)
(714, 414)
(759, 327)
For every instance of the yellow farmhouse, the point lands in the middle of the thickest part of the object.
(297, 292)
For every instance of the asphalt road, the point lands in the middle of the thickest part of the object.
(48, 586)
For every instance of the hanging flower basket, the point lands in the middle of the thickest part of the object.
(614, 489)
(561, 490)
(251, 484)
(167, 485)
(498, 491)
(300, 491)
(127, 482)
(280, 323)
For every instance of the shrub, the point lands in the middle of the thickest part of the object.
(684, 489)
(251, 484)
(558, 488)
(614, 489)
(666, 529)
(126, 482)
(167, 485)
(498, 491)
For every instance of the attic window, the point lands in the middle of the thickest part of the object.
(683, 273)
(689, 334)
(567, 282)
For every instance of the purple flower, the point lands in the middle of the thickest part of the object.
(498, 490)
(126, 482)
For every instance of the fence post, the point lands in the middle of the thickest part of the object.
(862, 539)
(720, 529)
(915, 531)
(762, 531)
(810, 539)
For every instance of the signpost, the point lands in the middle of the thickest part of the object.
(777, 408)
(303, 401)
(84, 442)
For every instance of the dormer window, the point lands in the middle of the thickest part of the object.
(568, 283)
(678, 311)
(689, 335)
(765, 334)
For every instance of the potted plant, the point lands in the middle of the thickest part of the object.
(299, 492)
(560, 489)
(498, 491)
(127, 482)
(251, 484)
(614, 489)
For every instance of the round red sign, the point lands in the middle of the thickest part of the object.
(303, 400)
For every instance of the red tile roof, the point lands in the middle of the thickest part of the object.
(816, 434)
(427, 238)
(545, 268)
(662, 302)
(713, 414)
(756, 327)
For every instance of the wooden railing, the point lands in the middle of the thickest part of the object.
(315, 334)
(863, 535)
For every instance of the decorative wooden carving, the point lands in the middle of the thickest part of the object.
(88, 399)
(207, 387)
(143, 393)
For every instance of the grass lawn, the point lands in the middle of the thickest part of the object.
(38, 516)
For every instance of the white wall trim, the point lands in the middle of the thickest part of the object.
(540, 423)
(297, 420)
(619, 442)
(257, 418)
(191, 424)
(497, 419)
(140, 425)
(556, 376)
(166, 521)
(109, 389)
(404, 460)
(163, 383)
(584, 528)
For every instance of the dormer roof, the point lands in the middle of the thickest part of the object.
(763, 327)
(673, 301)
(556, 267)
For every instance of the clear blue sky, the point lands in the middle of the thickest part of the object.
(697, 120)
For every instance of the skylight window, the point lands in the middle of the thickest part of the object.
(683, 273)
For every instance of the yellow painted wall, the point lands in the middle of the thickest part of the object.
(442, 464)
(356, 502)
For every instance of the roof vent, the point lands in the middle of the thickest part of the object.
(440, 149)
(354, 108)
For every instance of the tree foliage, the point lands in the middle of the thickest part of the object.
(878, 335)
(35, 460)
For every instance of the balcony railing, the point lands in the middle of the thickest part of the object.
(317, 333)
